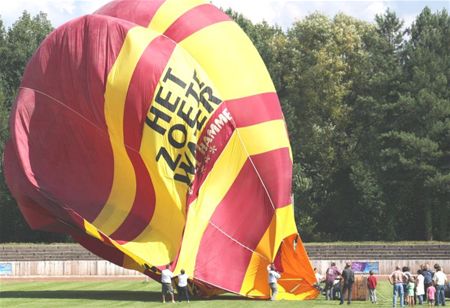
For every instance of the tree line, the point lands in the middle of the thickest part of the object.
(367, 107)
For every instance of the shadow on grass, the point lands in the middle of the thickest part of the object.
(119, 295)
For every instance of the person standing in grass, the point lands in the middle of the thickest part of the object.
(396, 279)
(427, 276)
(273, 278)
(166, 281)
(440, 279)
(406, 277)
(331, 275)
(348, 277)
(420, 286)
(410, 291)
(319, 279)
(372, 286)
(431, 291)
(183, 286)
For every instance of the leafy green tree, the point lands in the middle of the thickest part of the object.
(367, 112)
(417, 148)
(2, 73)
(376, 87)
(325, 64)
(21, 40)
(16, 47)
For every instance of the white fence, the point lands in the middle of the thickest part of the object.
(104, 268)
(385, 266)
(64, 268)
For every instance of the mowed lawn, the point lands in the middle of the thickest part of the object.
(140, 294)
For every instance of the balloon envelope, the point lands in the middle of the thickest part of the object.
(150, 131)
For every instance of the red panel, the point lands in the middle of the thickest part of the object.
(140, 93)
(221, 261)
(245, 111)
(139, 12)
(142, 87)
(245, 202)
(194, 20)
(206, 159)
(58, 123)
(244, 217)
(39, 212)
(255, 109)
(275, 168)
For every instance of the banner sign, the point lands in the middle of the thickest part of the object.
(365, 267)
(5, 269)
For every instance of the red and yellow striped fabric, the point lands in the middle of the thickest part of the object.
(151, 132)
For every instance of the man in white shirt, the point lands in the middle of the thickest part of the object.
(182, 286)
(319, 279)
(273, 278)
(440, 279)
(166, 281)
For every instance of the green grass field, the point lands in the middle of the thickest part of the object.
(140, 294)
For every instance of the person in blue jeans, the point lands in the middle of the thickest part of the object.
(331, 274)
(396, 279)
(440, 280)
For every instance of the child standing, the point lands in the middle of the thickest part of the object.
(420, 287)
(431, 291)
(372, 285)
(410, 288)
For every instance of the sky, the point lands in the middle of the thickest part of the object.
(280, 12)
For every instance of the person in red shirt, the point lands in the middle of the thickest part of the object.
(372, 285)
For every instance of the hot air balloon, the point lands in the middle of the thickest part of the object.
(151, 132)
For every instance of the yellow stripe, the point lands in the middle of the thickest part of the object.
(264, 137)
(169, 11)
(236, 72)
(283, 295)
(161, 240)
(213, 190)
(281, 226)
(130, 261)
(91, 230)
(257, 140)
(123, 188)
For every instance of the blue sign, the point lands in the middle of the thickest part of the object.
(365, 267)
(5, 269)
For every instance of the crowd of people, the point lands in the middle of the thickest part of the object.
(427, 286)
(337, 284)
(167, 278)
(408, 289)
